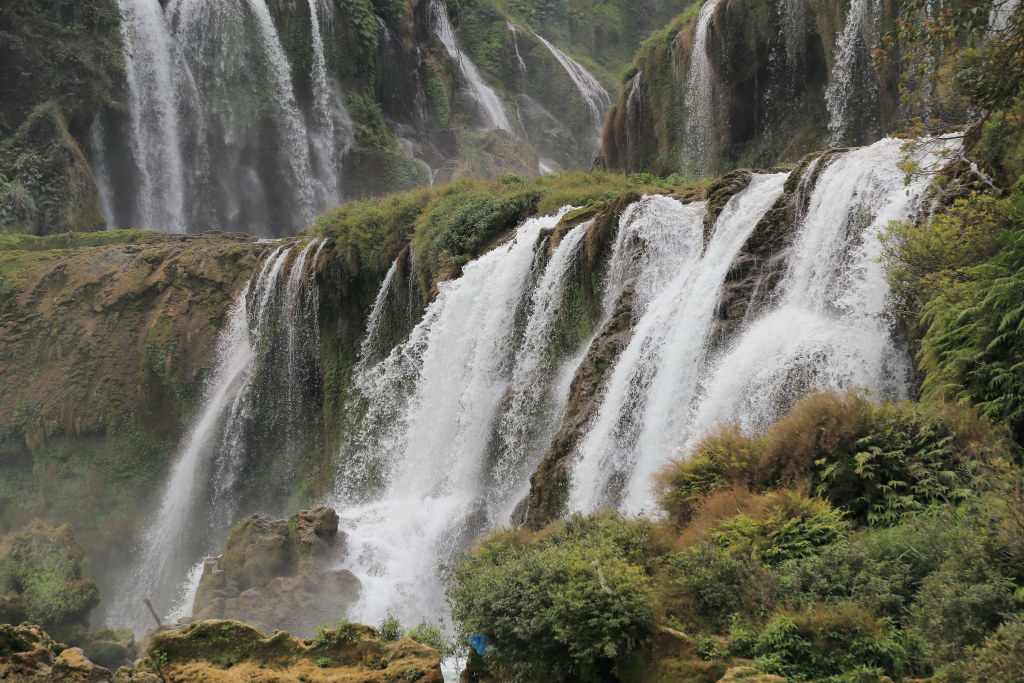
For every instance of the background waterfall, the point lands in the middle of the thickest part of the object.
(699, 108)
(852, 93)
(219, 136)
(491, 107)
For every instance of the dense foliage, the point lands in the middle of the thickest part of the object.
(564, 606)
(850, 541)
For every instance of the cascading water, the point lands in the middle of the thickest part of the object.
(697, 100)
(432, 474)
(658, 371)
(329, 119)
(211, 78)
(491, 106)
(593, 93)
(514, 30)
(199, 503)
(851, 78)
(827, 329)
(153, 114)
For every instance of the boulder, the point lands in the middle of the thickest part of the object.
(225, 651)
(43, 565)
(29, 655)
(276, 574)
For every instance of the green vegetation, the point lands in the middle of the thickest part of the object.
(452, 224)
(43, 566)
(565, 606)
(850, 541)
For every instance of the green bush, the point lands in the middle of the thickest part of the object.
(434, 637)
(824, 644)
(565, 606)
(973, 349)
(876, 462)
(959, 605)
(999, 659)
(788, 526)
(391, 629)
(707, 584)
(909, 456)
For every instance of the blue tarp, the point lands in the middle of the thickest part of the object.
(480, 643)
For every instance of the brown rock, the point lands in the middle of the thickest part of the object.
(749, 674)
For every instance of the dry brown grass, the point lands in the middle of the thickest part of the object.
(821, 423)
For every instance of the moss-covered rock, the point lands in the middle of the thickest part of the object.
(43, 565)
(232, 651)
(29, 655)
(46, 185)
(276, 574)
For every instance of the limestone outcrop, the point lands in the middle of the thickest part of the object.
(276, 574)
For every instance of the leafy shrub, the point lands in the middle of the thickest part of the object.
(391, 628)
(723, 459)
(788, 526)
(819, 644)
(999, 659)
(959, 605)
(909, 456)
(565, 605)
(878, 462)
(931, 257)
(432, 636)
(709, 583)
(974, 345)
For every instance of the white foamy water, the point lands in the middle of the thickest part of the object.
(491, 106)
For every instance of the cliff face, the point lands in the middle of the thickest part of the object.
(778, 82)
(105, 340)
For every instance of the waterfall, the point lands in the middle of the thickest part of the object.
(327, 115)
(217, 137)
(633, 102)
(829, 328)
(515, 43)
(697, 99)
(657, 373)
(851, 76)
(826, 328)
(593, 93)
(199, 504)
(153, 113)
(427, 440)
(486, 98)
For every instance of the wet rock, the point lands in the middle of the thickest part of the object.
(44, 564)
(276, 574)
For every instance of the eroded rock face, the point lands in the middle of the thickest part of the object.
(275, 574)
(29, 655)
(217, 651)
